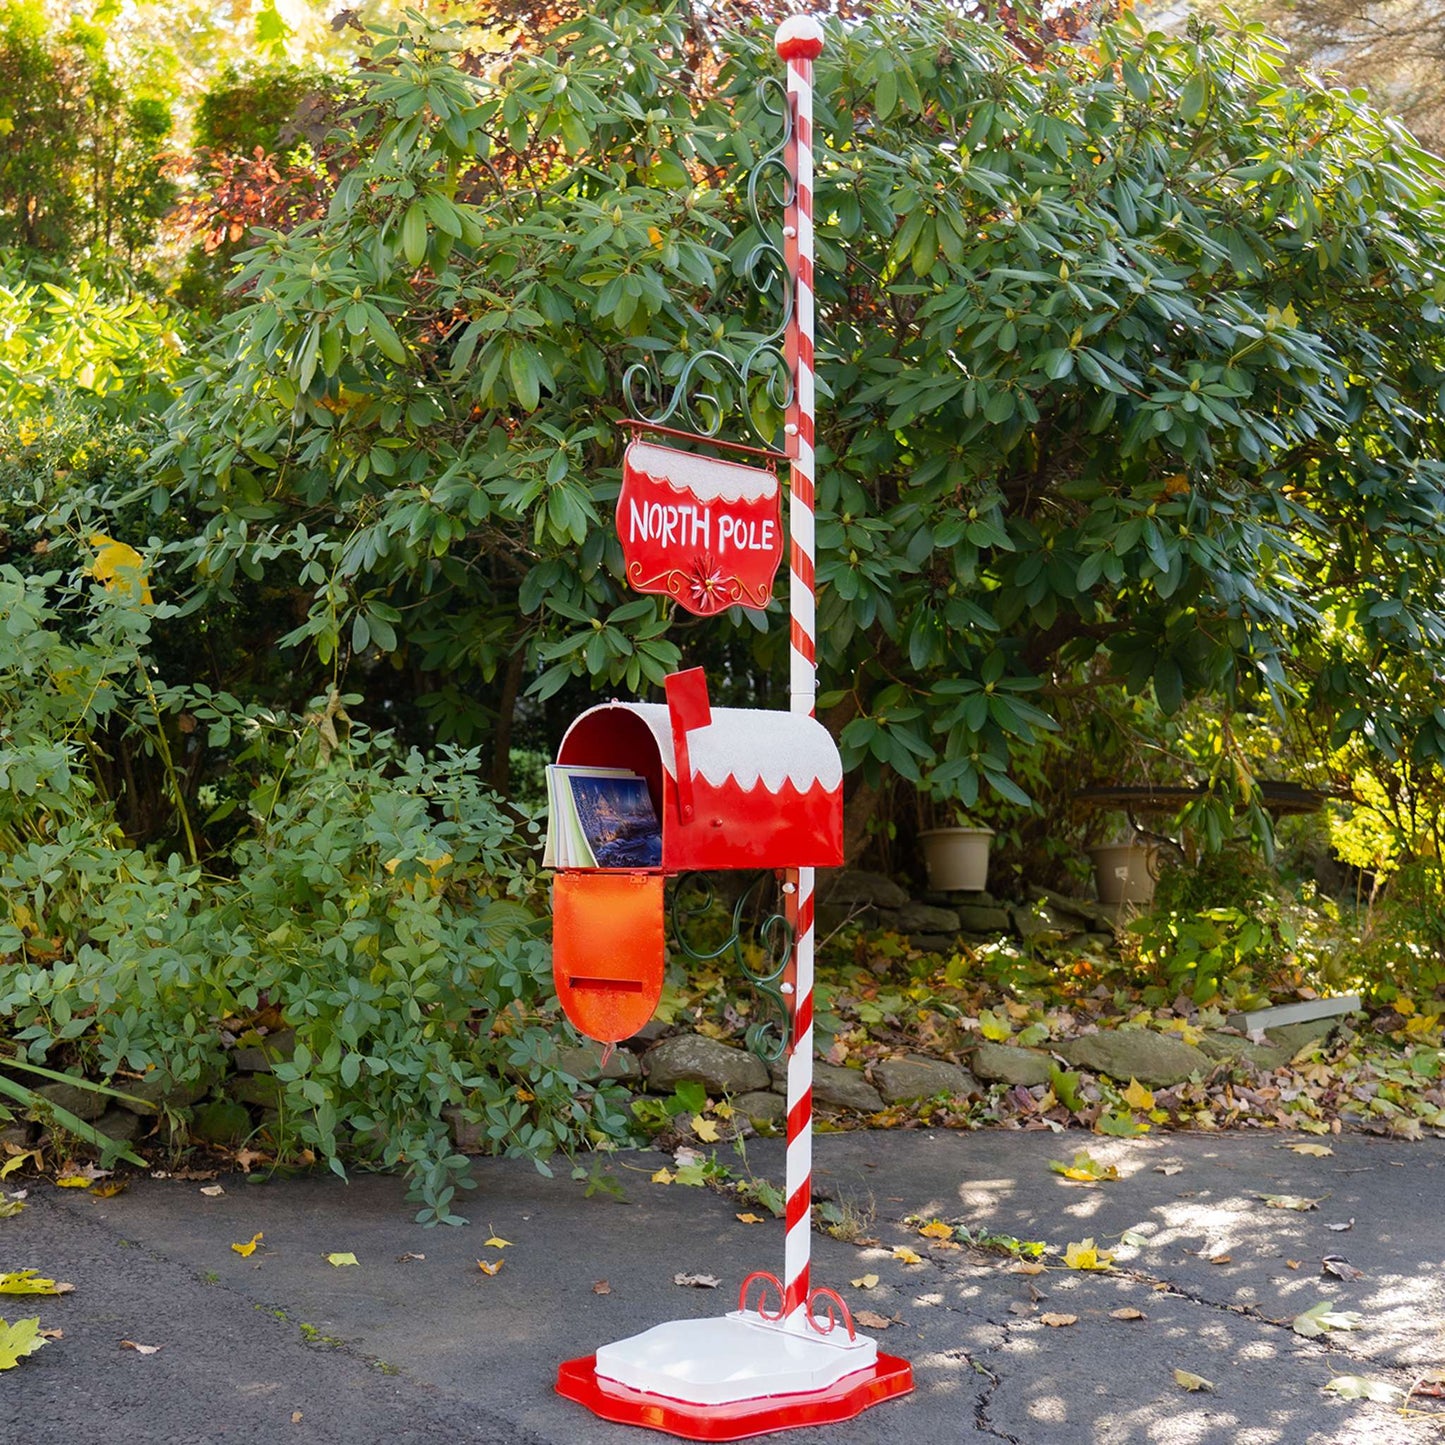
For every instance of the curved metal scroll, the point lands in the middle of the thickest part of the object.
(766, 1037)
(763, 368)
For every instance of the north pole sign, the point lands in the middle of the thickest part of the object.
(707, 533)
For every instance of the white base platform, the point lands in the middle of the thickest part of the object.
(738, 1357)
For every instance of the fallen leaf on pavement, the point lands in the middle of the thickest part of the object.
(697, 1281)
(1085, 1169)
(902, 1252)
(18, 1340)
(248, 1249)
(749, 1218)
(1168, 1169)
(490, 1269)
(1029, 1266)
(212, 1191)
(1086, 1256)
(1136, 1096)
(1340, 1267)
(1127, 1313)
(1191, 1381)
(705, 1129)
(73, 1181)
(864, 1281)
(409, 1257)
(10, 1207)
(340, 1259)
(1297, 1202)
(1058, 1322)
(26, 1281)
(247, 1157)
(937, 1230)
(1322, 1318)
(1315, 1151)
(1222, 1259)
(664, 1176)
(296, 1417)
(140, 1349)
(1361, 1387)
(872, 1320)
(1341, 1228)
(1293, 1263)
(495, 1243)
(109, 1188)
(601, 1287)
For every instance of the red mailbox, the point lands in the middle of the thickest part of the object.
(748, 788)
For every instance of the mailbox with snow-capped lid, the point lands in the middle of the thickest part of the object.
(732, 787)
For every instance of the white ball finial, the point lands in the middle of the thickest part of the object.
(800, 37)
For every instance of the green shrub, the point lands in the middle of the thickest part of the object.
(377, 900)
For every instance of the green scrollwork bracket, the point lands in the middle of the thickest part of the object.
(772, 945)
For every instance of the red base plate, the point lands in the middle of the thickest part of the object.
(738, 1419)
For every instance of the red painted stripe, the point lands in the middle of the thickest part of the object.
(805, 428)
(802, 485)
(803, 1018)
(803, 645)
(796, 1294)
(805, 916)
(805, 270)
(801, 566)
(805, 350)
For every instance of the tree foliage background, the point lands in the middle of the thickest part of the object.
(1129, 466)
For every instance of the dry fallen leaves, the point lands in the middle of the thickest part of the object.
(696, 1281)
(872, 1320)
(906, 1255)
(600, 1286)
(705, 1129)
(1341, 1228)
(249, 1248)
(212, 1191)
(109, 1188)
(1127, 1313)
(1167, 1169)
(410, 1257)
(140, 1349)
(1058, 1322)
(1314, 1151)
(1340, 1267)
(749, 1218)
(339, 1259)
(1297, 1202)
(1191, 1381)
(495, 1243)
(937, 1229)
(490, 1268)
(864, 1281)
(1136, 1096)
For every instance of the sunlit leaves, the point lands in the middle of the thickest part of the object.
(18, 1340)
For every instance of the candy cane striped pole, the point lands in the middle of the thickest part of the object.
(800, 41)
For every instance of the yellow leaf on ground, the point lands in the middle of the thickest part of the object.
(1315, 1151)
(1404, 1007)
(11, 1165)
(1058, 1321)
(1085, 1256)
(1085, 1169)
(1136, 1096)
(992, 1027)
(864, 1281)
(749, 1218)
(248, 1249)
(705, 1129)
(937, 1230)
(1297, 1202)
(26, 1281)
(1192, 1381)
(18, 1340)
(664, 1176)
(73, 1181)
(907, 1255)
(495, 1243)
(342, 1259)
(492, 1268)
